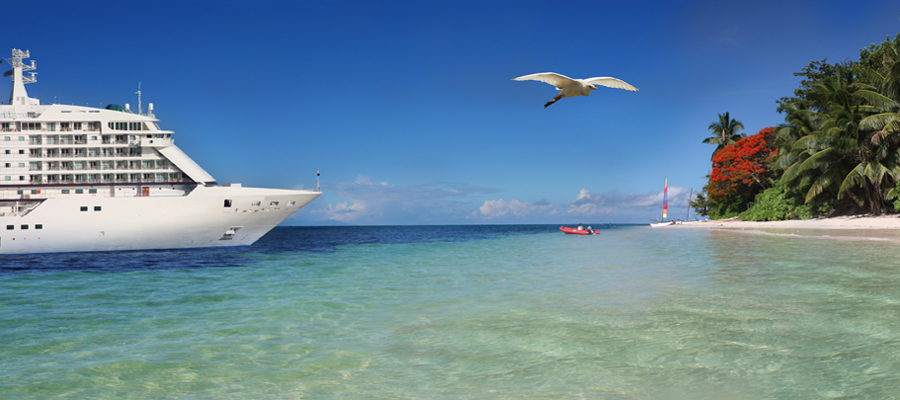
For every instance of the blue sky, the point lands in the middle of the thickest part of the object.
(408, 108)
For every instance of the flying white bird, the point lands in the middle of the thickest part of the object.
(569, 87)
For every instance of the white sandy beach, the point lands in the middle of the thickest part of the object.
(846, 222)
(859, 227)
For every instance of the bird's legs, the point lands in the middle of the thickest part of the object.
(555, 99)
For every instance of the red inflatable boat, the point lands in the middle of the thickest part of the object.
(575, 231)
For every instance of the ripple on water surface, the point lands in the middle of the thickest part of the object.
(458, 312)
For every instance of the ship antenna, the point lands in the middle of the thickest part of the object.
(140, 112)
(317, 182)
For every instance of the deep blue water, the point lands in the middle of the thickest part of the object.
(279, 240)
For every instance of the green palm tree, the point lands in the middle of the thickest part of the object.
(724, 132)
(839, 153)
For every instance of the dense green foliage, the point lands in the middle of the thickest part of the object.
(778, 203)
(840, 143)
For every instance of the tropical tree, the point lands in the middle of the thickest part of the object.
(724, 132)
(739, 172)
(840, 154)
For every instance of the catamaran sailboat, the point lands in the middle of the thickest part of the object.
(665, 209)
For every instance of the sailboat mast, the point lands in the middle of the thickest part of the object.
(666, 198)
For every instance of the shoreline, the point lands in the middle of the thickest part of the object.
(866, 222)
(857, 227)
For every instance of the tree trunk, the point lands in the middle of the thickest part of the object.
(871, 196)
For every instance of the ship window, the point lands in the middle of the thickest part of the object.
(35, 192)
(292, 203)
(20, 192)
(92, 191)
(65, 191)
(10, 227)
(96, 208)
(76, 125)
(256, 203)
(7, 178)
(6, 138)
(25, 226)
(273, 203)
(21, 151)
(79, 191)
(227, 202)
(38, 226)
(83, 208)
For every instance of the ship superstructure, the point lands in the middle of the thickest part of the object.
(76, 178)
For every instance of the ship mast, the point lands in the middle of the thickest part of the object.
(140, 112)
(19, 96)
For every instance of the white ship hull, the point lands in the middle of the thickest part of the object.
(76, 179)
(198, 219)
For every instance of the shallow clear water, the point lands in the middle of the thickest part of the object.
(459, 312)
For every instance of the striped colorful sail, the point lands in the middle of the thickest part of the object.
(666, 198)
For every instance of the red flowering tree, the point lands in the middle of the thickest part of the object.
(739, 172)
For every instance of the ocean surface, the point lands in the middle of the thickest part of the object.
(459, 312)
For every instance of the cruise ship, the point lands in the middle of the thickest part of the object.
(79, 179)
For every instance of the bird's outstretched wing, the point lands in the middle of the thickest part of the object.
(611, 82)
(560, 81)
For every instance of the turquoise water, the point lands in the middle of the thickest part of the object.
(465, 313)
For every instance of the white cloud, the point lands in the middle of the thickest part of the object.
(611, 206)
(367, 202)
(344, 212)
(492, 209)
(626, 206)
